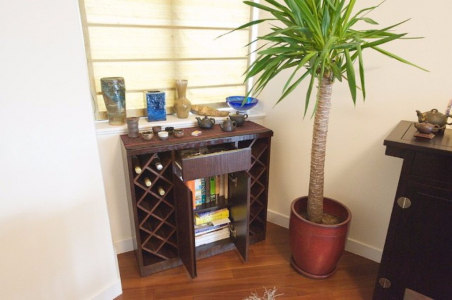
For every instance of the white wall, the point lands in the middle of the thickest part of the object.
(55, 240)
(357, 171)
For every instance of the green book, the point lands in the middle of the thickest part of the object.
(213, 194)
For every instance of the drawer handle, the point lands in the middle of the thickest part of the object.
(404, 202)
(233, 179)
(233, 231)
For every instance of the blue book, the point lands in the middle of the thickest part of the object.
(198, 192)
(203, 190)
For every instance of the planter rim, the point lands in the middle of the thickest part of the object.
(347, 220)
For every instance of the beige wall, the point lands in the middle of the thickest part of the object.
(55, 240)
(357, 171)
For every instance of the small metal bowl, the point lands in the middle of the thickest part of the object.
(170, 130)
(163, 135)
(147, 135)
(156, 129)
(178, 133)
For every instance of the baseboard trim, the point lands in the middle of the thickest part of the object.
(110, 292)
(364, 250)
(124, 246)
(278, 219)
(352, 245)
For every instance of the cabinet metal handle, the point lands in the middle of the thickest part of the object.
(233, 231)
(404, 202)
(384, 283)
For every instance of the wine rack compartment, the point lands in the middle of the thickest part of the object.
(160, 203)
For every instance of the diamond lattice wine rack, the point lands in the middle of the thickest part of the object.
(156, 214)
(260, 153)
(161, 202)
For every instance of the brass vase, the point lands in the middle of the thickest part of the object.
(181, 104)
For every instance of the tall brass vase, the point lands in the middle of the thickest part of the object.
(181, 104)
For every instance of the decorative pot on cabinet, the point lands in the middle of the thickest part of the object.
(114, 94)
(317, 248)
(239, 118)
(156, 105)
(181, 104)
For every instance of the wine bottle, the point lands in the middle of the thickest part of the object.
(157, 163)
(136, 164)
(161, 191)
(147, 181)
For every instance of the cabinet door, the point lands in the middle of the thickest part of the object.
(185, 232)
(239, 196)
(420, 257)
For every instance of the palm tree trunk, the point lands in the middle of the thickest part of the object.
(316, 179)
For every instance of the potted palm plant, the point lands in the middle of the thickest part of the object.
(319, 41)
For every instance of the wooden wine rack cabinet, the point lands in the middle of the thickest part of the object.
(163, 224)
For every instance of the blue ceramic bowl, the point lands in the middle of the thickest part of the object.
(235, 102)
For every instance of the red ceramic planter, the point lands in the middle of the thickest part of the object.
(317, 248)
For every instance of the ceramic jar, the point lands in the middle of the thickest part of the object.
(228, 125)
(155, 105)
(239, 118)
(114, 94)
(132, 127)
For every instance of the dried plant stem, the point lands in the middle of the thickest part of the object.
(268, 295)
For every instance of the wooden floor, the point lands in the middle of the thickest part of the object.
(226, 276)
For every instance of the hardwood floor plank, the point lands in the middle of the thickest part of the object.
(227, 276)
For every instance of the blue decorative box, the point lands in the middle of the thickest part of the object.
(156, 107)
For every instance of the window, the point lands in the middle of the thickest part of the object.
(151, 43)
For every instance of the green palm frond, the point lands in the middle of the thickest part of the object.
(318, 39)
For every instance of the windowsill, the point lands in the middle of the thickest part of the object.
(103, 128)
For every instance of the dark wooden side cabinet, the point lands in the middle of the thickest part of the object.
(164, 223)
(417, 256)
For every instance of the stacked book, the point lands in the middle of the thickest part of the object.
(211, 226)
(209, 189)
(198, 191)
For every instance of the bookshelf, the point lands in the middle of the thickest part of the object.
(164, 224)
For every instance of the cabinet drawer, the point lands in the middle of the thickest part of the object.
(212, 164)
(433, 167)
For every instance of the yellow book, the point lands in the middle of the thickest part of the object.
(209, 216)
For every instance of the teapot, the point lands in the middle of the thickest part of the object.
(427, 127)
(205, 123)
(228, 125)
(238, 118)
(433, 117)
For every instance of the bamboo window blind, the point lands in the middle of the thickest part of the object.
(151, 43)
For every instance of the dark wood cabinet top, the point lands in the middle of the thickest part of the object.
(403, 138)
(249, 130)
